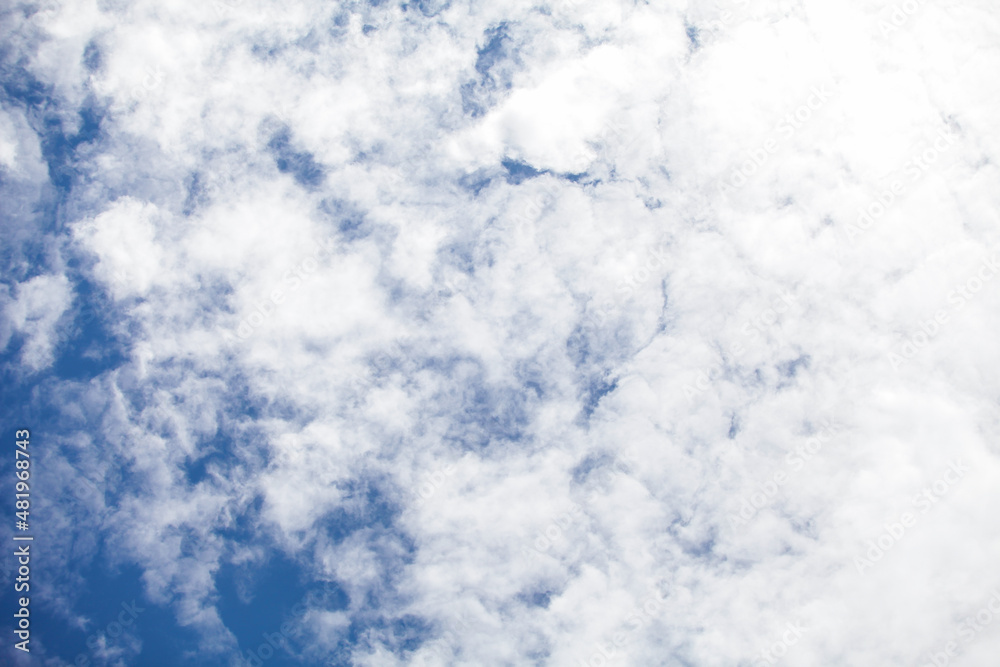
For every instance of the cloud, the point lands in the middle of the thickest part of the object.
(33, 312)
(496, 316)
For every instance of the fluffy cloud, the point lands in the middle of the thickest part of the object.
(32, 313)
(561, 333)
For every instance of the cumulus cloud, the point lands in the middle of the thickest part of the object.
(32, 313)
(540, 333)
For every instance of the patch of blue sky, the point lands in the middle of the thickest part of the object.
(592, 462)
(256, 599)
(574, 178)
(59, 147)
(428, 8)
(532, 377)
(19, 400)
(489, 415)
(475, 182)
(300, 164)
(92, 57)
(537, 598)
(790, 369)
(693, 35)
(113, 602)
(20, 87)
(25, 253)
(404, 634)
(245, 525)
(474, 103)
(267, 52)
(584, 348)
(597, 388)
(365, 507)
(695, 539)
(460, 255)
(519, 171)
(496, 61)
(213, 458)
(479, 413)
(582, 470)
(734, 426)
(89, 347)
(494, 51)
(347, 219)
(196, 194)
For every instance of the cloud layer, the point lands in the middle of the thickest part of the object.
(562, 333)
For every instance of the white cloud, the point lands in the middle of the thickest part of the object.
(386, 323)
(124, 239)
(34, 311)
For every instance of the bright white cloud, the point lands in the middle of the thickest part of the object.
(308, 212)
(33, 312)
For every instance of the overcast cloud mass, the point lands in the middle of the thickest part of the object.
(561, 332)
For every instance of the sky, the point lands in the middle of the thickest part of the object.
(549, 332)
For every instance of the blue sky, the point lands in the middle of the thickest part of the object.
(549, 333)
